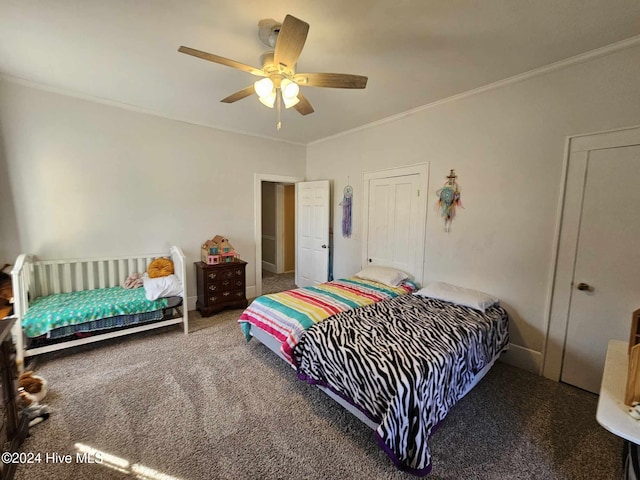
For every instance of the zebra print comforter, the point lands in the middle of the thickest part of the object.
(286, 315)
(404, 362)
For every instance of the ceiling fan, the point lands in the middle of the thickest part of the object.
(280, 83)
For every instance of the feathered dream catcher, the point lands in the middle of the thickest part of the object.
(449, 199)
(346, 211)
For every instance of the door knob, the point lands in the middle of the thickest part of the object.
(585, 287)
(323, 245)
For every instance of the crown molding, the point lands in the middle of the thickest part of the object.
(133, 108)
(536, 72)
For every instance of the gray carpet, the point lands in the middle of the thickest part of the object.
(277, 282)
(210, 406)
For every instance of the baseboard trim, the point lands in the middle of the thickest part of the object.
(522, 357)
(191, 303)
(269, 267)
(251, 292)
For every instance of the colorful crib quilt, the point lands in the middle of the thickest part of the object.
(66, 309)
(286, 315)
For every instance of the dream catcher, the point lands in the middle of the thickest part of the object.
(449, 199)
(346, 211)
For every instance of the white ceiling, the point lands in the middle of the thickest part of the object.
(414, 52)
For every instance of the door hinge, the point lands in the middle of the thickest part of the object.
(418, 192)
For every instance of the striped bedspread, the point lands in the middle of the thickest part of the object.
(286, 315)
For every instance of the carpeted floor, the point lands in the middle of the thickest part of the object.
(209, 406)
(277, 282)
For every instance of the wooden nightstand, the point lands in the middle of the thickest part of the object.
(220, 286)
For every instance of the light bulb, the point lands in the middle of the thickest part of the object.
(289, 89)
(290, 101)
(268, 100)
(264, 87)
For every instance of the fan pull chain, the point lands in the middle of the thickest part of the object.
(279, 107)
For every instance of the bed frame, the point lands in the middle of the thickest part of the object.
(272, 344)
(33, 278)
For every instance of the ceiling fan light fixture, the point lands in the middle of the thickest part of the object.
(281, 84)
(289, 89)
(264, 87)
(269, 100)
(290, 101)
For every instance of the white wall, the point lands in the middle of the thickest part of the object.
(79, 178)
(88, 179)
(507, 147)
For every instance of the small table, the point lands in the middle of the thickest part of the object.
(220, 286)
(612, 413)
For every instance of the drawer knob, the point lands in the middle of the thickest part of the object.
(226, 294)
(213, 299)
(212, 276)
(225, 282)
(212, 287)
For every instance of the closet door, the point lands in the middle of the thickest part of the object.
(395, 219)
(606, 281)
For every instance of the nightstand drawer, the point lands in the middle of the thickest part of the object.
(227, 296)
(226, 274)
(226, 284)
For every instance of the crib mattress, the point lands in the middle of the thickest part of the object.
(67, 309)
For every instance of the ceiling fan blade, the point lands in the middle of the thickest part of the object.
(303, 106)
(239, 95)
(293, 34)
(221, 60)
(330, 80)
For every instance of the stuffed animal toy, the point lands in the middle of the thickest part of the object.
(33, 389)
(160, 267)
(133, 281)
(36, 413)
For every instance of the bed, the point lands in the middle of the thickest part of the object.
(401, 364)
(49, 294)
(285, 316)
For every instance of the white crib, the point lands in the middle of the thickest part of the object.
(33, 278)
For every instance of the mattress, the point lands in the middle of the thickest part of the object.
(404, 363)
(286, 315)
(119, 321)
(63, 310)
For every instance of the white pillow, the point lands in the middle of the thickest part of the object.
(167, 286)
(387, 275)
(459, 295)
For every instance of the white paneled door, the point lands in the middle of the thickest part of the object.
(312, 232)
(606, 279)
(396, 220)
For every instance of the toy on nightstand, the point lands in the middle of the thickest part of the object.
(218, 250)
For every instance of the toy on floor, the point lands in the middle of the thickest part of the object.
(33, 389)
(634, 411)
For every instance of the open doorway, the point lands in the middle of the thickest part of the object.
(275, 241)
(278, 237)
